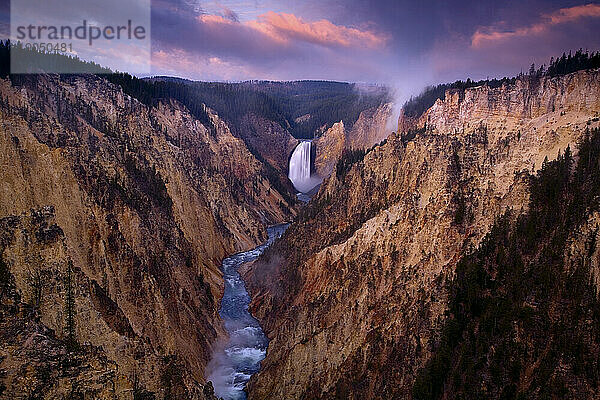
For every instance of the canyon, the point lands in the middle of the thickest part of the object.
(145, 251)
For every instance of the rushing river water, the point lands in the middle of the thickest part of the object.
(232, 366)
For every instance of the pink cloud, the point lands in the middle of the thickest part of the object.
(214, 19)
(490, 35)
(283, 28)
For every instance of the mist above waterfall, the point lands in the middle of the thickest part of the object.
(300, 164)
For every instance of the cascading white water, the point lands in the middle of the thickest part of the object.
(300, 168)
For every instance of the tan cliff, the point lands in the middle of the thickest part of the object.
(148, 202)
(368, 130)
(353, 296)
(329, 148)
(370, 127)
(510, 105)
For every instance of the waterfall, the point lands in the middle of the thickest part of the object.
(300, 168)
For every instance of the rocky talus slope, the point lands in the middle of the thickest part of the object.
(368, 130)
(138, 205)
(353, 298)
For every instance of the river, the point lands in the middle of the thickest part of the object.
(233, 364)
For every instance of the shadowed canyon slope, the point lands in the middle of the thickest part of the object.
(135, 206)
(354, 296)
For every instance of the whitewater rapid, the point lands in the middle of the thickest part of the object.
(233, 364)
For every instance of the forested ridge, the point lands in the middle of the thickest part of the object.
(302, 107)
(563, 65)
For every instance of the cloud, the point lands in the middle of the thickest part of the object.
(210, 35)
(284, 28)
(217, 45)
(491, 35)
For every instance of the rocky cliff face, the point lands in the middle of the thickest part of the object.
(353, 297)
(145, 202)
(370, 127)
(329, 148)
(368, 130)
(273, 145)
(271, 141)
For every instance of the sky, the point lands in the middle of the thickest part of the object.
(404, 44)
